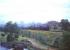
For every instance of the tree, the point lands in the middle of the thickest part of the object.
(7, 27)
(65, 24)
(65, 43)
(13, 30)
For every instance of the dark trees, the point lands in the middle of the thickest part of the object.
(65, 25)
(65, 43)
(39, 26)
(12, 29)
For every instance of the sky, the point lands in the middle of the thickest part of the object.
(34, 10)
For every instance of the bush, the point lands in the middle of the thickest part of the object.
(10, 38)
(65, 44)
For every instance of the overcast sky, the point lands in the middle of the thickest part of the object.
(34, 10)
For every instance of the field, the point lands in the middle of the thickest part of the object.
(37, 37)
(43, 37)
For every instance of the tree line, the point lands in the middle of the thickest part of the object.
(14, 28)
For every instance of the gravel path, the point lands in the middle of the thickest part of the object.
(36, 43)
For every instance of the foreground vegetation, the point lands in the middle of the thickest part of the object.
(43, 37)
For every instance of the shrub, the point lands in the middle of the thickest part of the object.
(65, 43)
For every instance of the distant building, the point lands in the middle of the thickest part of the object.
(54, 26)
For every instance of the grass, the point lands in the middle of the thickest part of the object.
(42, 36)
